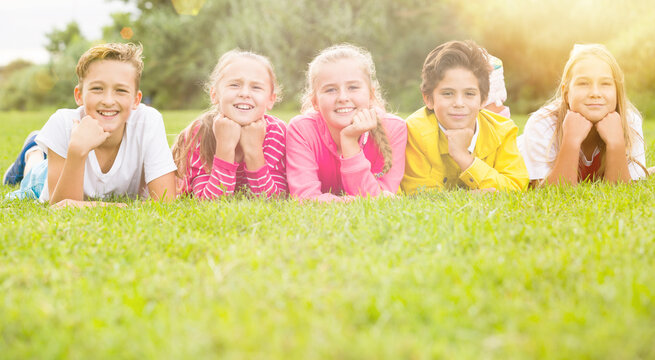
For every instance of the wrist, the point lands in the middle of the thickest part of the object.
(77, 152)
(572, 142)
(615, 144)
(349, 146)
(225, 154)
(464, 160)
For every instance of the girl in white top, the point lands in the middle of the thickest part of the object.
(589, 130)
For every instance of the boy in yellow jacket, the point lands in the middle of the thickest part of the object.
(452, 141)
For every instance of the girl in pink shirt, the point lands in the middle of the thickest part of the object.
(235, 145)
(344, 144)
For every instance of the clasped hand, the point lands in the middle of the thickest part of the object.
(229, 134)
(576, 128)
(86, 135)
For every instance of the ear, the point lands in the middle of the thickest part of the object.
(428, 102)
(314, 103)
(77, 93)
(137, 99)
(213, 95)
(271, 102)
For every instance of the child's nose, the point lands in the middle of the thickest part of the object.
(108, 98)
(459, 100)
(342, 96)
(595, 90)
(244, 91)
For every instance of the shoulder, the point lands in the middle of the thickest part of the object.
(634, 118)
(304, 123)
(66, 115)
(422, 120)
(275, 125)
(546, 115)
(499, 123)
(146, 114)
(393, 123)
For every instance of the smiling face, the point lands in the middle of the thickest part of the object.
(592, 90)
(341, 88)
(456, 99)
(245, 91)
(108, 93)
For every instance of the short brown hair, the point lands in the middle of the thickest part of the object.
(129, 53)
(456, 54)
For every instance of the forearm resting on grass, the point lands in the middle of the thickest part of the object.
(163, 188)
(66, 175)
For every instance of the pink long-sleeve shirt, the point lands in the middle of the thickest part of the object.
(225, 177)
(316, 171)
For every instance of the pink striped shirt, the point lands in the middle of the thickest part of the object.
(227, 177)
(316, 170)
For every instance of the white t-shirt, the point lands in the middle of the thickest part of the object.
(539, 149)
(143, 155)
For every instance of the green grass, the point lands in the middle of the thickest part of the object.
(560, 273)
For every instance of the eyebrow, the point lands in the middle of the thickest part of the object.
(241, 80)
(349, 82)
(585, 77)
(100, 82)
(466, 89)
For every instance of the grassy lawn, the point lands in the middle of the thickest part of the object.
(561, 273)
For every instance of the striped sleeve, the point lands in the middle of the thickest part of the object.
(221, 181)
(271, 179)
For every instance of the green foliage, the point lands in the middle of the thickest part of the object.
(555, 273)
(533, 38)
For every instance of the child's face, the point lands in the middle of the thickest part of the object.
(592, 90)
(109, 93)
(456, 100)
(244, 93)
(341, 89)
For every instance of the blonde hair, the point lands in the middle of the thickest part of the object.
(128, 53)
(623, 105)
(365, 62)
(201, 129)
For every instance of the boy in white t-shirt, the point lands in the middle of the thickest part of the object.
(110, 146)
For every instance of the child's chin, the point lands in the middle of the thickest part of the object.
(244, 122)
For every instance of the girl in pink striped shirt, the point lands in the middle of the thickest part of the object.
(344, 144)
(235, 145)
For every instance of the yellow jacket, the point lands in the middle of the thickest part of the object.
(428, 165)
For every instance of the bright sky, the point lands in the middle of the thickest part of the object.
(24, 23)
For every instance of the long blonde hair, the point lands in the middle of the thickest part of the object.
(365, 62)
(624, 107)
(205, 122)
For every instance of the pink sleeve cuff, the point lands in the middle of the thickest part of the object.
(355, 163)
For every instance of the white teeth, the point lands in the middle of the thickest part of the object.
(243, 107)
(344, 110)
(108, 113)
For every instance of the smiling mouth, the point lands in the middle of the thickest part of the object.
(344, 110)
(244, 106)
(108, 113)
